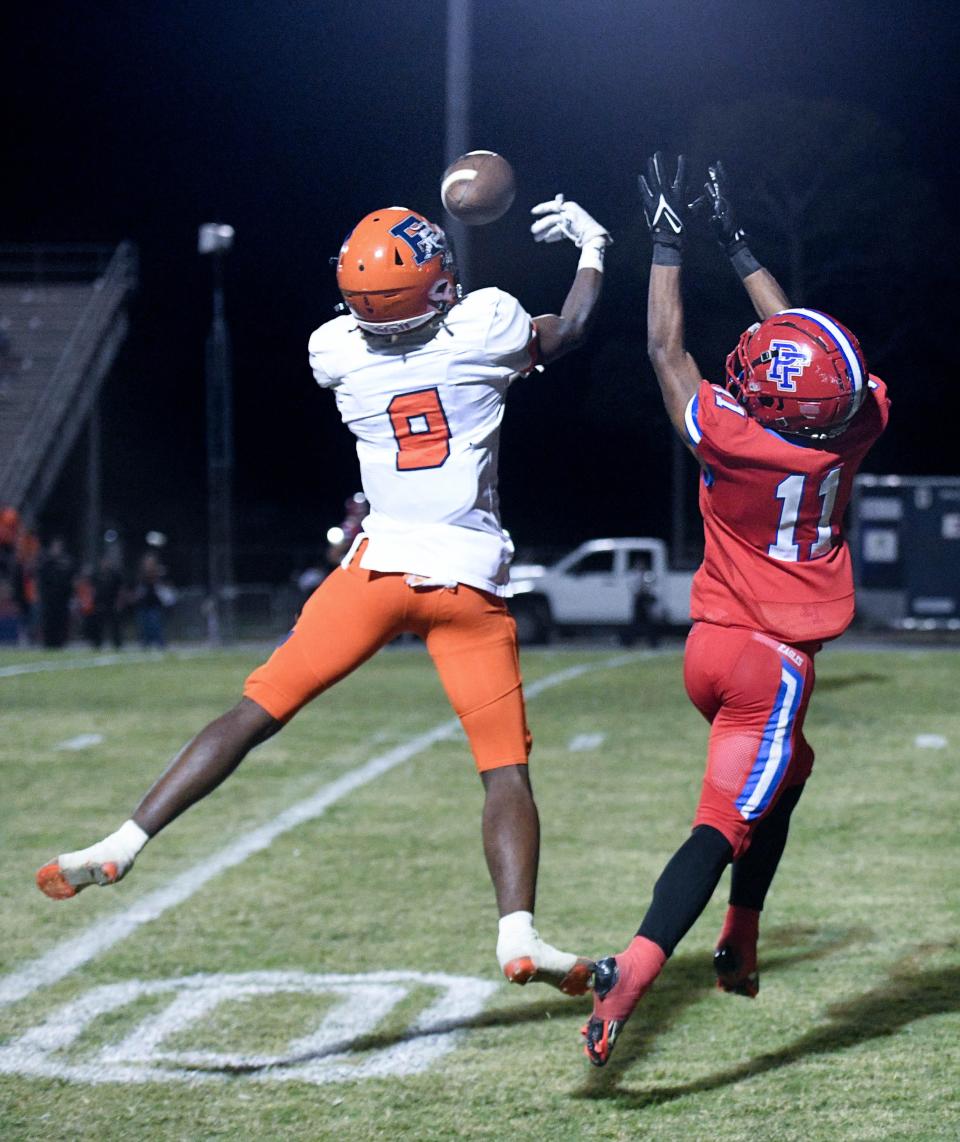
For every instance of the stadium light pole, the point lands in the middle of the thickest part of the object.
(458, 83)
(214, 241)
(94, 506)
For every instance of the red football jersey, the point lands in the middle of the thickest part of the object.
(774, 558)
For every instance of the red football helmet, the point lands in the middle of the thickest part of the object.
(396, 271)
(799, 372)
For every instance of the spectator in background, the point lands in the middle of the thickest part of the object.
(82, 602)
(109, 601)
(9, 610)
(340, 539)
(152, 596)
(25, 586)
(55, 585)
(9, 614)
(9, 533)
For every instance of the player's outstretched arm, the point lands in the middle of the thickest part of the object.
(665, 211)
(556, 219)
(762, 287)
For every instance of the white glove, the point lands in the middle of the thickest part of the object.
(559, 219)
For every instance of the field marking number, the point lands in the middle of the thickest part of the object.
(54, 1048)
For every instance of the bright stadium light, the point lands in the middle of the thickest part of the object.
(335, 535)
(214, 238)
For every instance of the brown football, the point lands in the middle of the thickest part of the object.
(478, 188)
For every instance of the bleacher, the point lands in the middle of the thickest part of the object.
(62, 321)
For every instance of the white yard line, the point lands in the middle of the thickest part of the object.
(71, 954)
(56, 665)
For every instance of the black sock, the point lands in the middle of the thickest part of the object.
(754, 871)
(685, 886)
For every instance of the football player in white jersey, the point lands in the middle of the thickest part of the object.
(420, 375)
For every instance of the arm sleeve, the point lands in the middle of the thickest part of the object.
(511, 339)
(870, 421)
(878, 410)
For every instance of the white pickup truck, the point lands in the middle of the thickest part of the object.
(624, 583)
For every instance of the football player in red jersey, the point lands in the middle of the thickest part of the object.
(778, 446)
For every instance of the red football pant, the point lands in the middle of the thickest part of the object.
(754, 691)
(469, 634)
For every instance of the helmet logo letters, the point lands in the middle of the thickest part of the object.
(788, 363)
(422, 239)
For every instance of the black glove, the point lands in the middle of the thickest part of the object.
(723, 221)
(664, 206)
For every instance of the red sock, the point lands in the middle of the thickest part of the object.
(741, 930)
(638, 966)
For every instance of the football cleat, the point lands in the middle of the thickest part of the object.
(571, 981)
(106, 862)
(599, 1032)
(734, 974)
(61, 883)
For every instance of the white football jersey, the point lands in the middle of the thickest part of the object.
(426, 411)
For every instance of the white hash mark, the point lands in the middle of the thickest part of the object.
(81, 741)
(582, 743)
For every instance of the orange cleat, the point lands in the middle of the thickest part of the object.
(573, 981)
(60, 884)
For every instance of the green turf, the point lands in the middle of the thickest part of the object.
(855, 1032)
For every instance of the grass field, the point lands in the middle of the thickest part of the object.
(222, 1011)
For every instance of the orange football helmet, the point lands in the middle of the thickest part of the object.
(396, 271)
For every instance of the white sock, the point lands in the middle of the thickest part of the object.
(120, 848)
(518, 937)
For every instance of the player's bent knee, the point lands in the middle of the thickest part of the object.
(731, 826)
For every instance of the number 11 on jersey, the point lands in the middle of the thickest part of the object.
(790, 493)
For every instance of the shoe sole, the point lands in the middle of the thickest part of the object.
(576, 981)
(598, 1050)
(748, 987)
(54, 882)
(732, 981)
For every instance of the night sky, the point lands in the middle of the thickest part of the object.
(292, 120)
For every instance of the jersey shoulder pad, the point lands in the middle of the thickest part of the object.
(504, 327)
(712, 417)
(327, 349)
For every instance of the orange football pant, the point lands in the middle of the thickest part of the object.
(469, 633)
